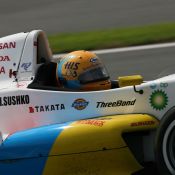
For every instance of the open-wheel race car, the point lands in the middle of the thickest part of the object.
(48, 131)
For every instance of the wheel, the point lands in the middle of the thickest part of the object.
(165, 144)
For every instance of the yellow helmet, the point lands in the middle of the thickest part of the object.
(83, 70)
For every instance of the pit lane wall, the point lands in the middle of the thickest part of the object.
(93, 146)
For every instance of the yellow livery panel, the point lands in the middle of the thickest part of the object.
(95, 146)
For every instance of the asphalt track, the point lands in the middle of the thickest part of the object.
(81, 15)
(150, 63)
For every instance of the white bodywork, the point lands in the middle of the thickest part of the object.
(24, 52)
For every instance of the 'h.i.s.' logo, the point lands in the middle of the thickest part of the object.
(71, 68)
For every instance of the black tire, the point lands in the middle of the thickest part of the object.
(165, 144)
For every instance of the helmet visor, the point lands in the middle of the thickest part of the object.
(93, 75)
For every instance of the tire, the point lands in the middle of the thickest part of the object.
(165, 144)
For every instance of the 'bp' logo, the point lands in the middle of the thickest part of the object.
(80, 104)
(158, 100)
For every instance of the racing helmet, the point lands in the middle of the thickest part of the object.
(82, 70)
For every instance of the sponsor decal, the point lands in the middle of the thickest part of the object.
(71, 68)
(153, 86)
(158, 100)
(12, 73)
(163, 85)
(118, 103)
(143, 123)
(46, 108)
(99, 123)
(71, 65)
(2, 70)
(80, 104)
(4, 58)
(14, 100)
(9, 45)
(25, 66)
(93, 60)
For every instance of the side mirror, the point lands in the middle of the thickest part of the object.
(130, 80)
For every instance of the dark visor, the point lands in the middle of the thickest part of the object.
(93, 75)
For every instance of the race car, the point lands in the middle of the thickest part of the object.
(47, 131)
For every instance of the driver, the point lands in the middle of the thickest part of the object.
(76, 71)
(82, 70)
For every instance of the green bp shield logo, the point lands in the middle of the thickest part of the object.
(158, 100)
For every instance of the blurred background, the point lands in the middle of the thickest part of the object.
(55, 16)
(59, 17)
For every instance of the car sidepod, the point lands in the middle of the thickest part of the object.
(93, 146)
